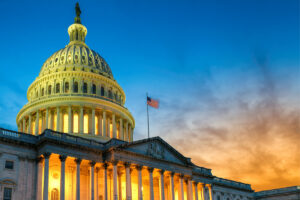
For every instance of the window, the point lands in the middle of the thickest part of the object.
(67, 87)
(42, 91)
(76, 87)
(84, 87)
(57, 90)
(7, 194)
(9, 164)
(86, 123)
(102, 91)
(94, 89)
(218, 198)
(49, 89)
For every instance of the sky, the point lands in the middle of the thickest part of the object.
(226, 74)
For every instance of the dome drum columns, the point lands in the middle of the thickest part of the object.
(85, 121)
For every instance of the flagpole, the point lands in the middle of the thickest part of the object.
(147, 114)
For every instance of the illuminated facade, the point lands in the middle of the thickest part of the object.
(75, 141)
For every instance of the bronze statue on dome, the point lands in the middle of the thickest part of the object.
(78, 12)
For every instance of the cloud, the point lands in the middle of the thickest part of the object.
(250, 135)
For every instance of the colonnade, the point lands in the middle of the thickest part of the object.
(78, 119)
(186, 187)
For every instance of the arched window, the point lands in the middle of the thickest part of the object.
(102, 91)
(76, 87)
(54, 194)
(66, 87)
(49, 89)
(94, 89)
(84, 87)
(43, 91)
(57, 89)
(109, 94)
(75, 123)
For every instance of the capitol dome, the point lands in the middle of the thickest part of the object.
(76, 93)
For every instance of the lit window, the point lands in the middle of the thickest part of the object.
(7, 194)
(75, 123)
(33, 127)
(96, 125)
(66, 123)
(9, 164)
(40, 125)
(86, 123)
(111, 130)
(54, 122)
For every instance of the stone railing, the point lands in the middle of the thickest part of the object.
(231, 183)
(17, 136)
(70, 138)
(278, 191)
(202, 170)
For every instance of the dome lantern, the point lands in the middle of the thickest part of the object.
(77, 31)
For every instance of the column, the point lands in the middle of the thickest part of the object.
(140, 183)
(81, 120)
(70, 118)
(129, 132)
(150, 170)
(172, 186)
(39, 183)
(24, 125)
(37, 123)
(126, 129)
(46, 175)
(93, 121)
(202, 189)
(104, 124)
(190, 189)
(181, 189)
(51, 120)
(58, 119)
(128, 181)
(209, 186)
(97, 182)
(105, 181)
(120, 184)
(47, 118)
(121, 136)
(29, 124)
(92, 164)
(62, 176)
(162, 185)
(78, 161)
(196, 190)
(115, 179)
(114, 128)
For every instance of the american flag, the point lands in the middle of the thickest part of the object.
(152, 102)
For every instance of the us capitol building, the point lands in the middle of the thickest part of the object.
(75, 141)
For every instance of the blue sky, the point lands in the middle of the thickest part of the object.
(213, 65)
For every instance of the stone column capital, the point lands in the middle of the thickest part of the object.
(202, 185)
(209, 186)
(38, 159)
(114, 162)
(171, 174)
(161, 171)
(78, 161)
(127, 164)
(181, 176)
(195, 183)
(139, 167)
(105, 165)
(150, 169)
(92, 163)
(62, 158)
(47, 155)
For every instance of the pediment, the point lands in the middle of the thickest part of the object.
(157, 149)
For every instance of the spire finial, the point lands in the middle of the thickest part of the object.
(78, 12)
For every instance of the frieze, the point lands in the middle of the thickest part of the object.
(155, 150)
